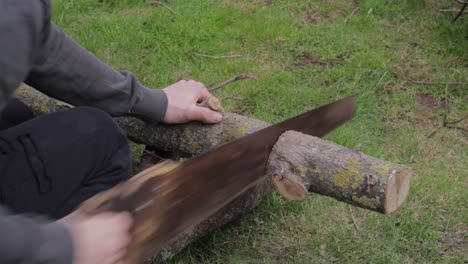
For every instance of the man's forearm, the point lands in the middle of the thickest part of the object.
(28, 240)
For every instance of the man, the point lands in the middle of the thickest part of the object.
(50, 164)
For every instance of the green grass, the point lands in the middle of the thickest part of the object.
(307, 53)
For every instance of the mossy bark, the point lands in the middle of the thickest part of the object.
(186, 140)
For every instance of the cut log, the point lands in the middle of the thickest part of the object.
(298, 164)
(301, 163)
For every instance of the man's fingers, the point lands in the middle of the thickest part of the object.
(204, 115)
(118, 257)
(203, 93)
(125, 219)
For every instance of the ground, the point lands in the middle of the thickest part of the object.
(304, 54)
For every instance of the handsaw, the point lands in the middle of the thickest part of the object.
(168, 200)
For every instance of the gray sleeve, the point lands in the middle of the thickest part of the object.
(66, 71)
(37, 52)
(30, 240)
(22, 25)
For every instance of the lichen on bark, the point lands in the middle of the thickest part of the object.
(350, 174)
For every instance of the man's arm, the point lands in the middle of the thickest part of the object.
(23, 23)
(28, 240)
(34, 50)
(66, 71)
(76, 239)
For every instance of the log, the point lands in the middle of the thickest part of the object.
(181, 141)
(298, 164)
(323, 167)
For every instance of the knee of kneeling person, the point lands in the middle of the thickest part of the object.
(95, 120)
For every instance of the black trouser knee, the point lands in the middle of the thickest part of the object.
(50, 164)
(15, 113)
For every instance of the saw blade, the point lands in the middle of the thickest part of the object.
(199, 187)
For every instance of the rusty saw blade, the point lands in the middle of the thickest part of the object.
(166, 206)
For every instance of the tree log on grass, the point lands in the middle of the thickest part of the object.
(298, 164)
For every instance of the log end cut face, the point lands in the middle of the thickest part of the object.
(397, 189)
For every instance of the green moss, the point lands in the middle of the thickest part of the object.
(341, 179)
(372, 203)
(212, 138)
(302, 171)
(234, 133)
(381, 169)
(44, 107)
(192, 143)
(317, 169)
(349, 174)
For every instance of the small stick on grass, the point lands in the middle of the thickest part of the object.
(433, 131)
(212, 102)
(405, 77)
(217, 57)
(457, 121)
(233, 79)
(352, 14)
(452, 123)
(453, 10)
(465, 4)
(434, 83)
(154, 3)
(354, 220)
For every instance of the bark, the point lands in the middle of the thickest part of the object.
(298, 164)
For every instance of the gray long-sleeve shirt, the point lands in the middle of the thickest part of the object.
(35, 51)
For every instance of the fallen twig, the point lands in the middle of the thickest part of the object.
(457, 121)
(433, 131)
(454, 10)
(465, 4)
(217, 57)
(354, 220)
(352, 14)
(446, 123)
(233, 79)
(154, 2)
(434, 83)
(428, 82)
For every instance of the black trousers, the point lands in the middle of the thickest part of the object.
(52, 163)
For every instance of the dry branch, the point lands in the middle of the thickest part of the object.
(218, 56)
(233, 79)
(298, 164)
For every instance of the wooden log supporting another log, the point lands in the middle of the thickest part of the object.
(297, 165)
(181, 141)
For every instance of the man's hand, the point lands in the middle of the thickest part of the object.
(99, 239)
(183, 97)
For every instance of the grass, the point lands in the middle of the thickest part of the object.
(304, 54)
